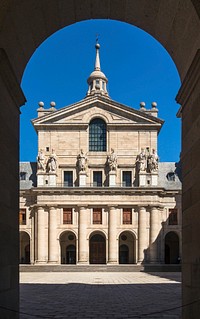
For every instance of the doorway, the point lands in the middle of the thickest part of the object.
(172, 248)
(97, 249)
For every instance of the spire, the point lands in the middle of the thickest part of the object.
(97, 80)
(97, 66)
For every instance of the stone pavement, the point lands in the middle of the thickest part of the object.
(103, 295)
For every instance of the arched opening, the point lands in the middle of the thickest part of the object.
(97, 252)
(127, 248)
(172, 248)
(24, 257)
(97, 135)
(68, 248)
(171, 22)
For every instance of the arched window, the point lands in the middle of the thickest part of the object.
(97, 135)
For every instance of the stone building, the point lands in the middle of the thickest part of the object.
(98, 193)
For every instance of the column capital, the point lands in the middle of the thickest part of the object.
(82, 207)
(111, 207)
(40, 208)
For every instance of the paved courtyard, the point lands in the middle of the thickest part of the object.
(77, 295)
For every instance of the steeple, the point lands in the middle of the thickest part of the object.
(97, 80)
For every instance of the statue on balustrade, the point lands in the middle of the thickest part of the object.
(141, 160)
(152, 161)
(112, 160)
(82, 161)
(41, 160)
(52, 162)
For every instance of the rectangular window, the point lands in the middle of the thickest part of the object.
(22, 176)
(68, 178)
(127, 216)
(173, 216)
(97, 216)
(97, 179)
(22, 217)
(67, 216)
(126, 178)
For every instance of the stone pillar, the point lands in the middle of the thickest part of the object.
(83, 247)
(189, 98)
(154, 231)
(42, 244)
(112, 236)
(41, 179)
(82, 178)
(11, 97)
(52, 179)
(154, 178)
(142, 234)
(112, 178)
(142, 178)
(53, 243)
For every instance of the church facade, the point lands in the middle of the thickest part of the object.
(98, 193)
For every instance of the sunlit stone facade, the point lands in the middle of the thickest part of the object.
(98, 193)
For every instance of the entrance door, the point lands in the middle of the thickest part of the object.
(71, 254)
(123, 254)
(172, 248)
(97, 249)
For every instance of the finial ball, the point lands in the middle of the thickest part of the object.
(154, 104)
(142, 104)
(97, 46)
(41, 104)
(53, 104)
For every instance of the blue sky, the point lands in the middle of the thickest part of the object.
(138, 69)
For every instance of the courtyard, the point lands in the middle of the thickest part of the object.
(103, 295)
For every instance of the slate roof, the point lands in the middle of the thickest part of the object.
(165, 168)
(30, 168)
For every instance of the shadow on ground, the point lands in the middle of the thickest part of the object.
(75, 300)
(168, 275)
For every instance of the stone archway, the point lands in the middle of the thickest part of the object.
(24, 255)
(23, 27)
(127, 248)
(97, 248)
(68, 248)
(172, 248)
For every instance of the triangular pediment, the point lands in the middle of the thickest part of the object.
(82, 112)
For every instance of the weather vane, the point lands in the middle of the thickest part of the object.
(97, 37)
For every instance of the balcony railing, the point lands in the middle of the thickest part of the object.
(90, 185)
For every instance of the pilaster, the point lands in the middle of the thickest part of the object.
(42, 238)
(112, 236)
(53, 242)
(83, 246)
(142, 234)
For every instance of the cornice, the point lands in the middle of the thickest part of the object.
(8, 77)
(104, 191)
(189, 84)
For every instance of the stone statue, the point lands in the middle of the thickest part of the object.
(41, 160)
(152, 161)
(52, 162)
(112, 160)
(82, 161)
(141, 160)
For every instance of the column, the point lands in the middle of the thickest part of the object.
(83, 247)
(142, 234)
(42, 243)
(153, 235)
(53, 243)
(112, 236)
(32, 239)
